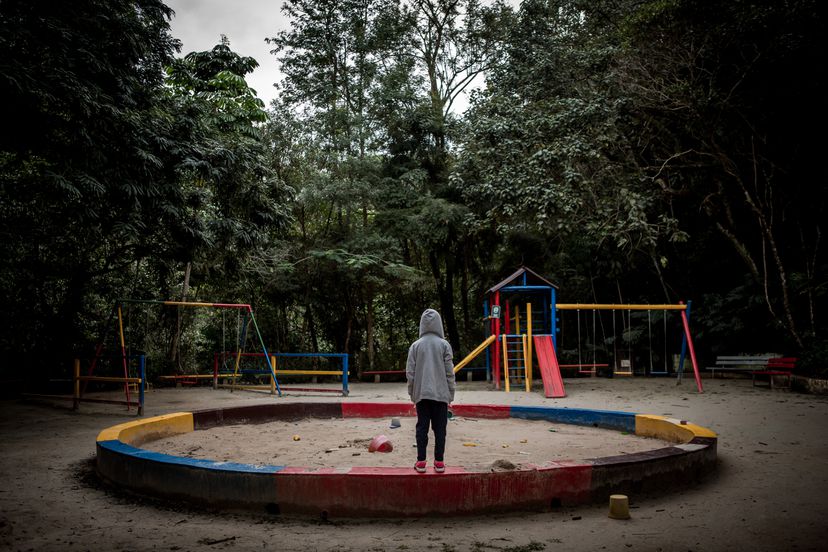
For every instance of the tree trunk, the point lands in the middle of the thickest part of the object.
(464, 290)
(369, 327)
(175, 353)
(446, 295)
(764, 221)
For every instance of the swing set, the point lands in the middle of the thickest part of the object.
(623, 367)
(248, 320)
(594, 342)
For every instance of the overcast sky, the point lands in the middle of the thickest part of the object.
(199, 24)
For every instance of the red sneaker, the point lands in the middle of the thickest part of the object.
(439, 467)
(420, 466)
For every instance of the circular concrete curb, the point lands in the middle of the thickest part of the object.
(398, 492)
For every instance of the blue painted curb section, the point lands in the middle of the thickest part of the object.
(607, 419)
(119, 447)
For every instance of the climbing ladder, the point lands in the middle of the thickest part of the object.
(516, 361)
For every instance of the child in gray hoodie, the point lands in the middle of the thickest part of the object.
(430, 375)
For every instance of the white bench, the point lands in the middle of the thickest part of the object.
(740, 363)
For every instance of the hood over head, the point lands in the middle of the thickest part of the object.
(431, 322)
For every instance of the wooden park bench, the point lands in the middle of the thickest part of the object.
(777, 367)
(470, 370)
(740, 363)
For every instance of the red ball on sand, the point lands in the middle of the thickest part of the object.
(380, 443)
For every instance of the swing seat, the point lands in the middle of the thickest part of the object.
(623, 369)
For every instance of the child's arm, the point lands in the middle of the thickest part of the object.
(448, 360)
(409, 372)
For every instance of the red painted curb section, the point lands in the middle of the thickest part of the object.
(377, 410)
(403, 492)
(481, 411)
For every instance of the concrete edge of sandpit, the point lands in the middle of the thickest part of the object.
(400, 492)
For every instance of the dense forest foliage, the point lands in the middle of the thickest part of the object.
(627, 150)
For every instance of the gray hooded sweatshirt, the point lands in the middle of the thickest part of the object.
(430, 369)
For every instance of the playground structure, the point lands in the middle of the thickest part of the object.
(136, 377)
(519, 333)
(341, 491)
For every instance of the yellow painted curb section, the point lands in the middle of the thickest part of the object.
(135, 433)
(669, 429)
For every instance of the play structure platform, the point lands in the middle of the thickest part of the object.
(353, 491)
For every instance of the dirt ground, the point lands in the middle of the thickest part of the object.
(768, 493)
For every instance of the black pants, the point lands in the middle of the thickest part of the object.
(432, 413)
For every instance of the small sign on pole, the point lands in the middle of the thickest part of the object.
(495, 311)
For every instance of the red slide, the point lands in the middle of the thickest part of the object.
(553, 386)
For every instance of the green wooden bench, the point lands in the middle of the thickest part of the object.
(740, 363)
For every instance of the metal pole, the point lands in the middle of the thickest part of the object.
(553, 323)
(496, 376)
(488, 353)
(239, 347)
(264, 349)
(683, 354)
(686, 320)
(123, 354)
(142, 374)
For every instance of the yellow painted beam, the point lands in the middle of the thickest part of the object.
(613, 306)
(195, 376)
(310, 372)
(121, 326)
(471, 356)
(527, 378)
(278, 372)
(188, 304)
(505, 363)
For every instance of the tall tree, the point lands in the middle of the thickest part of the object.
(721, 94)
(233, 197)
(454, 43)
(545, 153)
(82, 169)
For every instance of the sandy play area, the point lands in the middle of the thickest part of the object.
(767, 494)
(477, 444)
